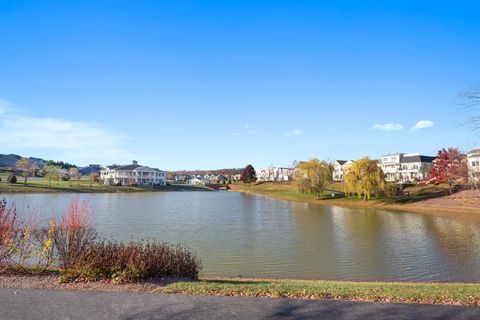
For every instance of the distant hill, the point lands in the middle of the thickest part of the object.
(9, 160)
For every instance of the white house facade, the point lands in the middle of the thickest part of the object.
(133, 174)
(274, 174)
(402, 168)
(338, 173)
(194, 181)
(473, 159)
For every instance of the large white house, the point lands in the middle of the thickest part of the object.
(340, 168)
(402, 167)
(274, 174)
(473, 159)
(338, 174)
(133, 174)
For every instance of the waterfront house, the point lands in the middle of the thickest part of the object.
(133, 174)
(338, 173)
(403, 168)
(274, 174)
(194, 181)
(473, 159)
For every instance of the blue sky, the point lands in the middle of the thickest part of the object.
(213, 84)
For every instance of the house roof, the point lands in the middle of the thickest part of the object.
(476, 150)
(341, 162)
(88, 170)
(128, 167)
(417, 158)
(113, 166)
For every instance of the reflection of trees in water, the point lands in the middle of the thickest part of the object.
(456, 239)
(315, 237)
(385, 245)
(347, 243)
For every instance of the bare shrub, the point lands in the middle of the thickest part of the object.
(73, 233)
(9, 229)
(138, 260)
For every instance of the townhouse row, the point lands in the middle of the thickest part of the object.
(406, 168)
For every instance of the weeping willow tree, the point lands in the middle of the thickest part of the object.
(312, 176)
(364, 178)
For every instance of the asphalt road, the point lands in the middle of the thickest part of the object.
(24, 304)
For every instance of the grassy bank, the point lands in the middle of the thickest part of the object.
(39, 185)
(417, 199)
(429, 293)
(393, 292)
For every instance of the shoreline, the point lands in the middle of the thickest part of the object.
(32, 189)
(355, 203)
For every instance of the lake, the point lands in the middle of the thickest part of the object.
(239, 234)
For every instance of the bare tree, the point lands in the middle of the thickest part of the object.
(74, 174)
(472, 103)
(27, 167)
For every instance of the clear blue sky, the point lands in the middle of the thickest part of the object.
(213, 84)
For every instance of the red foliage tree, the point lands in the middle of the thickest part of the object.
(450, 167)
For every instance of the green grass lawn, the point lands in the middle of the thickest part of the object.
(288, 191)
(430, 293)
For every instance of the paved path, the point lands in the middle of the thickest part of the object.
(27, 304)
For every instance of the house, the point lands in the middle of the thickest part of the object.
(274, 174)
(180, 179)
(8, 160)
(415, 167)
(402, 167)
(194, 181)
(473, 159)
(338, 172)
(133, 174)
(91, 169)
(390, 164)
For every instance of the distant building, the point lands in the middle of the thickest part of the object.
(274, 174)
(338, 173)
(473, 158)
(91, 169)
(402, 168)
(180, 179)
(133, 174)
(194, 181)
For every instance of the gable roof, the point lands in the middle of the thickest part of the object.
(113, 166)
(341, 162)
(128, 167)
(417, 158)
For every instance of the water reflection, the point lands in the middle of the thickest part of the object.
(250, 235)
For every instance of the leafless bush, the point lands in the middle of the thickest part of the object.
(137, 260)
(73, 233)
(9, 230)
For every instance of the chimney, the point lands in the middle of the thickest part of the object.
(135, 162)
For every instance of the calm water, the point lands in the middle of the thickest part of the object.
(238, 234)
